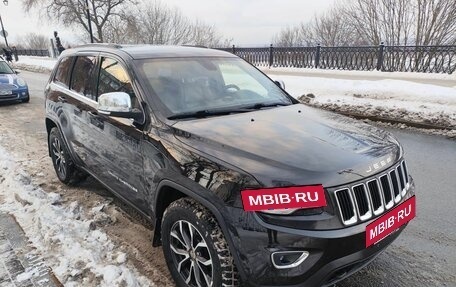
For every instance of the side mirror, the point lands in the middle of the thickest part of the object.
(118, 104)
(17, 71)
(280, 83)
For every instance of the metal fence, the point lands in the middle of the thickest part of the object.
(424, 59)
(33, 52)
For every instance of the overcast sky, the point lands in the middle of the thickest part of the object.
(247, 22)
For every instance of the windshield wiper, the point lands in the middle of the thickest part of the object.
(267, 105)
(206, 113)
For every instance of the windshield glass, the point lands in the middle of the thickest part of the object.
(5, 68)
(187, 85)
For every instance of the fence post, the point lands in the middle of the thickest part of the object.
(317, 56)
(271, 55)
(380, 56)
(233, 49)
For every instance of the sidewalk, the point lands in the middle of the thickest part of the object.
(19, 267)
(443, 80)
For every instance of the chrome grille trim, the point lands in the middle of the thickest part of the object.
(365, 215)
(380, 193)
(348, 220)
(373, 192)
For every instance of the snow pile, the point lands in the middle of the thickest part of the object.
(65, 235)
(390, 99)
(35, 64)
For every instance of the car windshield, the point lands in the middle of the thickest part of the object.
(204, 86)
(5, 68)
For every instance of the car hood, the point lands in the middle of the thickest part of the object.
(8, 79)
(293, 145)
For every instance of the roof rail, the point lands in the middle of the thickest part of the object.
(195, 46)
(108, 45)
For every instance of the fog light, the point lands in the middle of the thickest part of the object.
(288, 259)
(23, 93)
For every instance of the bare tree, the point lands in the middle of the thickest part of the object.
(289, 37)
(205, 35)
(33, 41)
(71, 12)
(156, 23)
(435, 22)
(328, 29)
(389, 21)
(370, 22)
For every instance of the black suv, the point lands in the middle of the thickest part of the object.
(193, 138)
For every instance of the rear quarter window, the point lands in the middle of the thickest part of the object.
(62, 75)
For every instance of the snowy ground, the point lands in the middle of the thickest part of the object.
(67, 236)
(409, 97)
(35, 64)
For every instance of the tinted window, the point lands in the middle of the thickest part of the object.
(114, 78)
(63, 71)
(81, 80)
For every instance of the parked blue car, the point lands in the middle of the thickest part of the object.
(12, 87)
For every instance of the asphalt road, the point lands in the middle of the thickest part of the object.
(424, 254)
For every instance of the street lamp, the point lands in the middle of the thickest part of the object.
(88, 19)
(5, 2)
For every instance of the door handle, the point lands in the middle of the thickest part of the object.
(96, 120)
(61, 99)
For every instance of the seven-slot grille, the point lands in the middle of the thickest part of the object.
(373, 197)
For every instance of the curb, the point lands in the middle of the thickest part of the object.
(20, 265)
(395, 121)
(31, 68)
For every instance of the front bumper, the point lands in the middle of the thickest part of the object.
(333, 254)
(17, 95)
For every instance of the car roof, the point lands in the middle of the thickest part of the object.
(152, 51)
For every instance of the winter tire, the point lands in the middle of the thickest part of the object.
(195, 248)
(63, 164)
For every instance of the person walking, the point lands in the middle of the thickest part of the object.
(8, 55)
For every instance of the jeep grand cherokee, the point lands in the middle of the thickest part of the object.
(244, 185)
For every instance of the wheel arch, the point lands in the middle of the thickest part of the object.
(181, 191)
(49, 125)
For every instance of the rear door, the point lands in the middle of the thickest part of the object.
(81, 101)
(117, 141)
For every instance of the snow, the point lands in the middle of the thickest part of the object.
(63, 234)
(44, 62)
(390, 98)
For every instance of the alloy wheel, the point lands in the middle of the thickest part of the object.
(191, 254)
(59, 157)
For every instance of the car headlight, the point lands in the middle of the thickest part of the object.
(21, 82)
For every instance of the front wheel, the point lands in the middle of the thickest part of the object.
(195, 248)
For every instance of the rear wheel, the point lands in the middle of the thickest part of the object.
(195, 248)
(63, 164)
